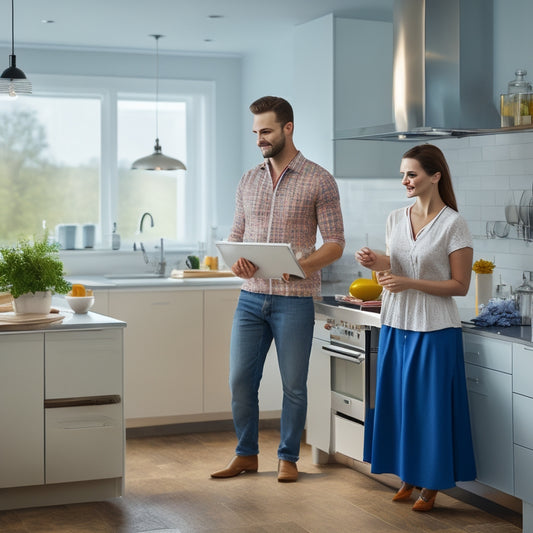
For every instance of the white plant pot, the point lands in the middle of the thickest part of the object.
(33, 303)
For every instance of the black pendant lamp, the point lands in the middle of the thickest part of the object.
(13, 81)
(157, 160)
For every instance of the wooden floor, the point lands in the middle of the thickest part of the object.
(168, 489)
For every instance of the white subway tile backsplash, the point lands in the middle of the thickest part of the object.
(496, 152)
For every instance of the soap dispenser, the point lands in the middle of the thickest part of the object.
(524, 299)
(115, 238)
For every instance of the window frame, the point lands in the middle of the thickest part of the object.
(199, 181)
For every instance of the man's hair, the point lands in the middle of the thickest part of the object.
(281, 108)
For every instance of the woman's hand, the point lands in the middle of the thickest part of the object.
(393, 283)
(366, 257)
(244, 269)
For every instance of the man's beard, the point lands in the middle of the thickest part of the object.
(274, 149)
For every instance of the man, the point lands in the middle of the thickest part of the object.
(284, 199)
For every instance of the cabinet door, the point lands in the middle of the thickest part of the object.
(270, 390)
(83, 363)
(163, 351)
(21, 410)
(488, 353)
(319, 398)
(523, 369)
(490, 400)
(523, 464)
(219, 308)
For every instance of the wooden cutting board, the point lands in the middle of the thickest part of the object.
(196, 273)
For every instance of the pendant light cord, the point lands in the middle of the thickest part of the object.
(157, 85)
(12, 27)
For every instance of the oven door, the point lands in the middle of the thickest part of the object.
(347, 380)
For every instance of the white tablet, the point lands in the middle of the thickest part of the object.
(272, 258)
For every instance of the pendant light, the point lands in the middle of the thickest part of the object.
(13, 81)
(157, 160)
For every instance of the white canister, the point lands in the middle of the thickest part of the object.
(66, 236)
(88, 235)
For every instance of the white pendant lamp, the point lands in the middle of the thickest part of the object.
(157, 160)
(13, 81)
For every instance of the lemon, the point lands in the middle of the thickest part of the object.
(78, 290)
(365, 289)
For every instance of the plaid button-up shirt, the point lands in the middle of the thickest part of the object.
(306, 197)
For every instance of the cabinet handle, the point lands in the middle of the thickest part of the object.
(473, 380)
(528, 349)
(475, 354)
(82, 401)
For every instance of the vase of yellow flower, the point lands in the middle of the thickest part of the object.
(483, 270)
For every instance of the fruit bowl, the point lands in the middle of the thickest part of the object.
(80, 304)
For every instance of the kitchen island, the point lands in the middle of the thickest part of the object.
(61, 409)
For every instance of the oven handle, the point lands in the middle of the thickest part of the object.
(346, 354)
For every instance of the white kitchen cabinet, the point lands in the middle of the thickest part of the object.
(523, 422)
(61, 406)
(318, 432)
(163, 351)
(219, 307)
(21, 410)
(491, 409)
(82, 366)
(270, 390)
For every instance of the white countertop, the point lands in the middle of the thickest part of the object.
(103, 282)
(72, 321)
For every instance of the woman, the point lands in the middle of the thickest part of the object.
(421, 429)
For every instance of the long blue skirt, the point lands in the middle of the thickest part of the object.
(420, 428)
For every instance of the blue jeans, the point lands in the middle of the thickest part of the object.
(258, 319)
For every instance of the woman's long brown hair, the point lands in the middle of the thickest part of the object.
(432, 160)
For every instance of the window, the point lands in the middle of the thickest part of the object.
(66, 152)
(159, 193)
(49, 163)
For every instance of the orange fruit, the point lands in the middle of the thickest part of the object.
(78, 290)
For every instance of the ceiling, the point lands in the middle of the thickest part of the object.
(243, 25)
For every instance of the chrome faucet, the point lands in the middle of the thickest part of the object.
(142, 221)
(159, 266)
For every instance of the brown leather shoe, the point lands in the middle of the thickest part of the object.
(287, 471)
(404, 493)
(425, 500)
(240, 463)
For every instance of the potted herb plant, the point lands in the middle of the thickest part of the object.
(31, 272)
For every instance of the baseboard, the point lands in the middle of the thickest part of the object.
(193, 427)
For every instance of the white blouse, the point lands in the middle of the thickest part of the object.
(425, 257)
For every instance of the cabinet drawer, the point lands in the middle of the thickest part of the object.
(84, 443)
(349, 437)
(488, 353)
(523, 369)
(523, 420)
(83, 363)
(523, 480)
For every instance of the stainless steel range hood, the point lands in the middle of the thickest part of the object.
(442, 72)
